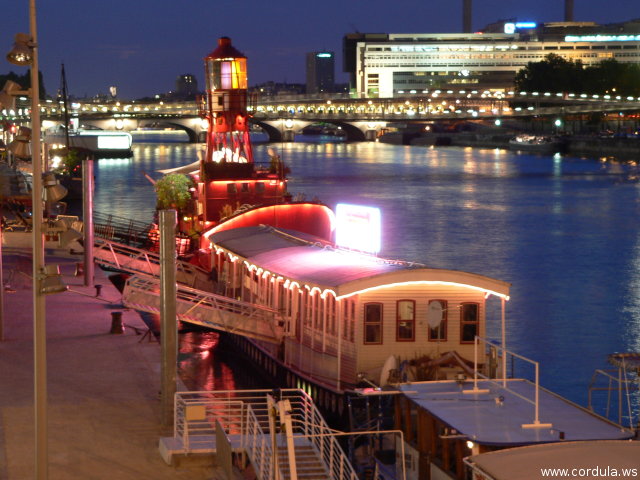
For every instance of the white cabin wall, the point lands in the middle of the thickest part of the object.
(370, 358)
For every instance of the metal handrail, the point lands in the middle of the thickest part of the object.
(246, 412)
(536, 402)
(140, 261)
(208, 309)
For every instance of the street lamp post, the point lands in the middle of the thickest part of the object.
(29, 56)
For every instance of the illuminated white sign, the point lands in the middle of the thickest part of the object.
(510, 27)
(358, 227)
(602, 38)
(324, 55)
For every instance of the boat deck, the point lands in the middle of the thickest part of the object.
(505, 416)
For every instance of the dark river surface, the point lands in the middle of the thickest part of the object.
(563, 231)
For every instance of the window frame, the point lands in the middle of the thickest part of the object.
(366, 323)
(464, 323)
(445, 321)
(412, 321)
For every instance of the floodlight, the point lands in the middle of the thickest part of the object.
(21, 53)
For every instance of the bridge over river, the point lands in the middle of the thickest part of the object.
(360, 118)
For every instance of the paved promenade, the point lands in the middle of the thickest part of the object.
(103, 388)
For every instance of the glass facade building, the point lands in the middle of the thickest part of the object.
(389, 65)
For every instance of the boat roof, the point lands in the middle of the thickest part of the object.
(309, 260)
(503, 416)
(526, 462)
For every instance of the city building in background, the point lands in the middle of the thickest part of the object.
(320, 72)
(389, 65)
(186, 86)
(272, 89)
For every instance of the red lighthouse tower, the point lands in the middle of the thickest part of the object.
(226, 82)
(229, 178)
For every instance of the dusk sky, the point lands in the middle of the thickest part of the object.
(141, 46)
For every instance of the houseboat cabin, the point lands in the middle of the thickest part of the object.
(350, 316)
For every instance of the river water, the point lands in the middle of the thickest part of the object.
(564, 231)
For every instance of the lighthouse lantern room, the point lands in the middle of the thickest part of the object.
(226, 82)
(228, 177)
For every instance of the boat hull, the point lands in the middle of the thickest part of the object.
(541, 145)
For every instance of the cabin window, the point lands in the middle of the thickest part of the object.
(373, 323)
(307, 309)
(232, 189)
(437, 320)
(259, 187)
(469, 321)
(331, 314)
(316, 313)
(244, 188)
(405, 320)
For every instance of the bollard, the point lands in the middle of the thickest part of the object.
(117, 326)
(98, 290)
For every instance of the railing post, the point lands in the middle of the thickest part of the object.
(168, 331)
(475, 388)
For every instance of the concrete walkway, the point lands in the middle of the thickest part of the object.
(103, 388)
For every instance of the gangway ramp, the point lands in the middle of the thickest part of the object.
(126, 258)
(208, 309)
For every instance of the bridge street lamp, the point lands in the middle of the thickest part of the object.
(25, 52)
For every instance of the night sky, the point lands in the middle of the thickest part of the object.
(141, 46)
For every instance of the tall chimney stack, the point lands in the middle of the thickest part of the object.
(568, 10)
(466, 16)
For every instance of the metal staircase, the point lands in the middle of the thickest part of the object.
(281, 432)
(308, 463)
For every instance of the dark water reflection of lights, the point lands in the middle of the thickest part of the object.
(564, 231)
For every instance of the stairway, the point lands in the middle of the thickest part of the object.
(309, 465)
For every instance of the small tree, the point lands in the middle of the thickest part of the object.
(173, 192)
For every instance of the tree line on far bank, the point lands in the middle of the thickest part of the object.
(555, 74)
(24, 81)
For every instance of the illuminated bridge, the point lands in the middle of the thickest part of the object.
(360, 119)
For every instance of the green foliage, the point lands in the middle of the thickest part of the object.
(555, 74)
(24, 81)
(173, 192)
(71, 164)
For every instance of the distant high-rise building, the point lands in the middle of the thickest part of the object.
(186, 85)
(320, 72)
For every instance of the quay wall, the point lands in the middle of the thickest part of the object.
(625, 149)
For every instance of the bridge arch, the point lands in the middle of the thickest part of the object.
(194, 136)
(354, 133)
(273, 132)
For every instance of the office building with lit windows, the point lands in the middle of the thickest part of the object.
(320, 72)
(391, 65)
(186, 86)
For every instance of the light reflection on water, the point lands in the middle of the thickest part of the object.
(562, 230)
